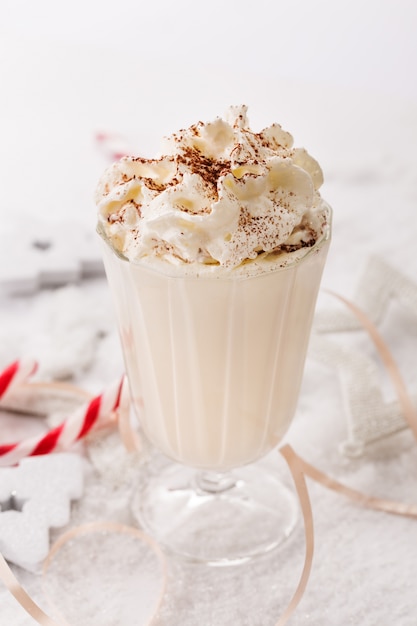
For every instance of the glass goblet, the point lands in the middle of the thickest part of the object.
(214, 360)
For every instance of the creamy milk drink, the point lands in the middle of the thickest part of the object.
(214, 253)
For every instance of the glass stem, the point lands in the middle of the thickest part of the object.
(215, 482)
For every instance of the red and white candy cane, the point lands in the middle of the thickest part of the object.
(96, 412)
(15, 374)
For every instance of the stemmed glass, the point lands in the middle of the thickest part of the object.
(214, 361)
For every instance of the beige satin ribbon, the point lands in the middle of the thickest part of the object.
(15, 588)
(22, 399)
(296, 469)
(23, 598)
(299, 468)
(108, 527)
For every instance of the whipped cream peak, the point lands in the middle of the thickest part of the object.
(219, 195)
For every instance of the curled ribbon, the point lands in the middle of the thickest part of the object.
(23, 598)
(111, 527)
(298, 467)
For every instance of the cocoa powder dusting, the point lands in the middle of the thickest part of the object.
(208, 169)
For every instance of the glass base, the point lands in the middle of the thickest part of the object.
(219, 519)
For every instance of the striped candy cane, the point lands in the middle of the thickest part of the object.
(16, 374)
(94, 413)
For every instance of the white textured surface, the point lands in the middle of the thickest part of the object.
(362, 130)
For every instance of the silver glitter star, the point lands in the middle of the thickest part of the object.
(370, 415)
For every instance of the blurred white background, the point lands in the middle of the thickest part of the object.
(368, 43)
(341, 76)
(146, 68)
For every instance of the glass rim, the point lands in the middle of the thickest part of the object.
(245, 270)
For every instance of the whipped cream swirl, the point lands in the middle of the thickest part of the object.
(221, 194)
